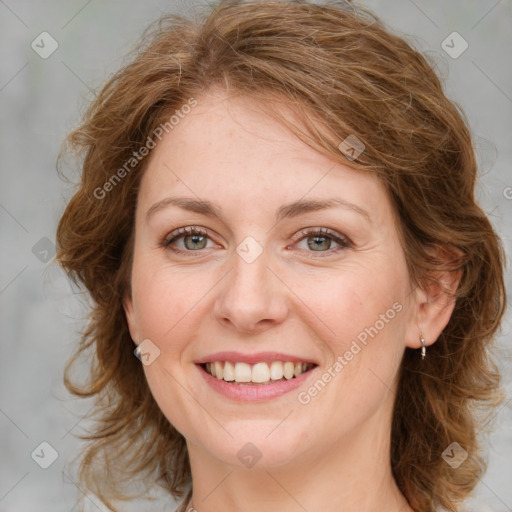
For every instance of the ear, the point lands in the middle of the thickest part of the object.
(130, 317)
(432, 306)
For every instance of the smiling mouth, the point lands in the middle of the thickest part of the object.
(256, 374)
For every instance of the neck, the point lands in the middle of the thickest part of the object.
(351, 475)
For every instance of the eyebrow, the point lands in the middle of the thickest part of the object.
(290, 210)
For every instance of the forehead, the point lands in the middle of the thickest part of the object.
(228, 149)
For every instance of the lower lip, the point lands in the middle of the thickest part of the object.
(253, 393)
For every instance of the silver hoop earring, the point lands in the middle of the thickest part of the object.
(423, 348)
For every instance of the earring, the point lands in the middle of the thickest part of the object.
(137, 351)
(423, 349)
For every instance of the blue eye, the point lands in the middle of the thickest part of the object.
(193, 238)
(319, 239)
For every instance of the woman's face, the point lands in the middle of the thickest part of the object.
(274, 276)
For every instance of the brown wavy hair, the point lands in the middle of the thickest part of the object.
(342, 72)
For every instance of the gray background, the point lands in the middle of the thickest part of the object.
(41, 100)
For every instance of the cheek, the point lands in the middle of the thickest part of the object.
(167, 304)
(173, 304)
(350, 301)
(364, 318)
(163, 298)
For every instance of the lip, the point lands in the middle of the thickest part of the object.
(257, 392)
(260, 357)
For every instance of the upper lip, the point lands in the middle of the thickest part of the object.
(259, 357)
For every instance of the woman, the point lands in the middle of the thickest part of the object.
(276, 212)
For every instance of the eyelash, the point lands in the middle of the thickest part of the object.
(342, 241)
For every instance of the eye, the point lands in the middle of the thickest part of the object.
(194, 239)
(318, 240)
(321, 239)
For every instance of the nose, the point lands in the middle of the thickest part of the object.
(252, 298)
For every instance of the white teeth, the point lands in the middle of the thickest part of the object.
(259, 373)
(218, 370)
(288, 370)
(229, 372)
(276, 370)
(243, 372)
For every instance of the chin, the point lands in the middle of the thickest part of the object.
(255, 444)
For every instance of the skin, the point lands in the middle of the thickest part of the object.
(331, 454)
